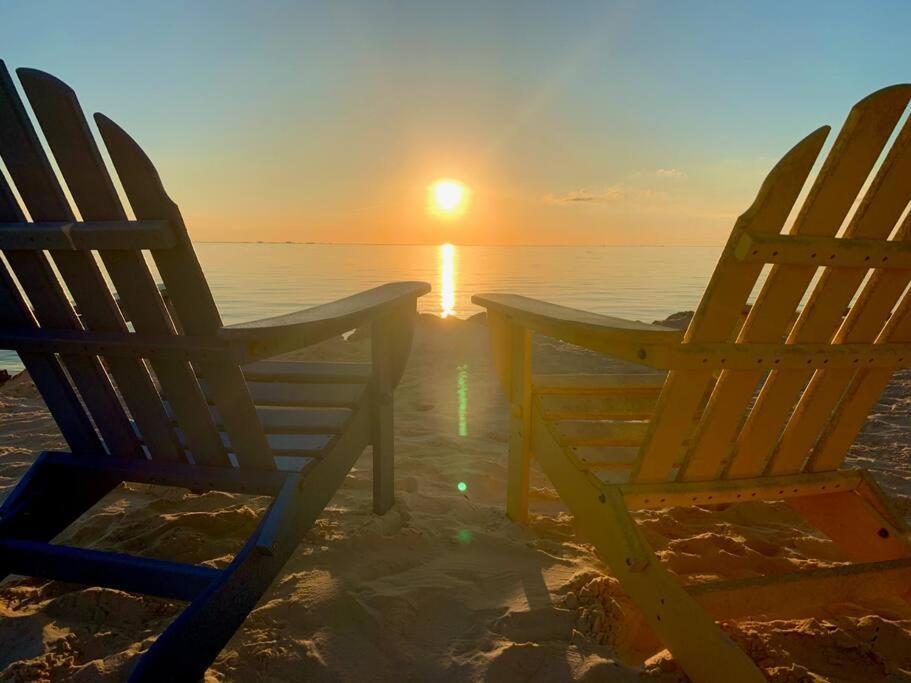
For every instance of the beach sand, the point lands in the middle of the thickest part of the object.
(443, 587)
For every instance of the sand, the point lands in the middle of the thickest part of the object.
(444, 587)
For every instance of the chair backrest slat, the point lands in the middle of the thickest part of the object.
(57, 245)
(44, 369)
(31, 172)
(821, 318)
(854, 153)
(805, 416)
(859, 397)
(720, 312)
(189, 292)
(66, 131)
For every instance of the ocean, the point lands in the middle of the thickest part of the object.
(251, 281)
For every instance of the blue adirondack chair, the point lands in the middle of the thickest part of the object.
(179, 399)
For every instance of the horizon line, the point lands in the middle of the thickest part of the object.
(436, 244)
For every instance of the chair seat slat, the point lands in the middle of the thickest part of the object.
(307, 372)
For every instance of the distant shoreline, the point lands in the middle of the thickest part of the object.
(436, 244)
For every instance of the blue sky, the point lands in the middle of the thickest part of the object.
(608, 122)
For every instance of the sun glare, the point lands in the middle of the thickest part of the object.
(447, 280)
(448, 197)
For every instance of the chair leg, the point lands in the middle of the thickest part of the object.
(49, 498)
(192, 642)
(520, 427)
(517, 475)
(383, 352)
(383, 453)
(704, 651)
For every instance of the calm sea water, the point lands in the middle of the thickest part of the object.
(252, 281)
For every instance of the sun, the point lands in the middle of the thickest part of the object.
(447, 197)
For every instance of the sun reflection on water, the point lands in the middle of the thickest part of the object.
(447, 279)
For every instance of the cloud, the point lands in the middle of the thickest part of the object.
(611, 194)
(614, 194)
(634, 191)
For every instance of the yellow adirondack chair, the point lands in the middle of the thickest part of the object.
(612, 444)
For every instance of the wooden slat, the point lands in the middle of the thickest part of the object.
(188, 291)
(854, 153)
(312, 395)
(595, 433)
(687, 356)
(672, 494)
(856, 527)
(859, 398)
(604, 457)
(630, 405)
(44, 369)
(285, 445)
(297, 420)
(183, 475)
(745, 357)
(66, 130)
(800, 594)
(119, 344)
(596, 384)
(300, 445)
(831, 252)
(877, 215)
(720, 310)
(277, 420)
(602, 518)
(31, 172)
(307, 372)
(574, 325)
(86, 235)
(165, 579)
(276, 335)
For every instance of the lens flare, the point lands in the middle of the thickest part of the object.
(462, 398)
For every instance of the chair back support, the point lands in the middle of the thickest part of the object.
(59, 283)
(709, 422)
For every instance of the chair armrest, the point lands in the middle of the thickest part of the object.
(283, 333)
(627, 339)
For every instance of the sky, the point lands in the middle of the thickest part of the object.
(570, 123)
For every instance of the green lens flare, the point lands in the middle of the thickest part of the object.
(462, 486)
(462, 396)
